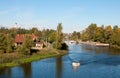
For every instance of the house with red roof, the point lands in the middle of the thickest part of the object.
(19, 39)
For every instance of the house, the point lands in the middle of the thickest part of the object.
(39, 45)
(19, 39)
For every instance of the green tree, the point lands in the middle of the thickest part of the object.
(91, 31)
(9, 43)
(59, 36)
(27, 44)
(64, 46)
(108, 33)
(13, 32)
(115, 27)
(84, 36)
(23, 31)
(3, 42)
(4, 30)
(52, 36)
(43, 34)
(74, 36)
(35, 31)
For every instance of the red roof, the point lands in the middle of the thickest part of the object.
(20, 37)
(33, 37)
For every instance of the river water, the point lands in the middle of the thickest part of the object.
(95, 62)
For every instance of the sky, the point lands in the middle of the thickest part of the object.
(75, 15)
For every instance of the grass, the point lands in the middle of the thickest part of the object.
(10, 64)
(34, 58)
(20, 59)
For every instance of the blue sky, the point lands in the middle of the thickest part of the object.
(75, 15)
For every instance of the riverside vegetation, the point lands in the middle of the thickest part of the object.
(102, 34)
(11, 55)
(13, 59)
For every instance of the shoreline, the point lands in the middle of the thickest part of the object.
(115, 47)
(97, 44)
(45, 53)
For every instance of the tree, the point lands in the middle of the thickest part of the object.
(115, 27)
(3, 42)
(115, 37)
(64, 46)
(75, 36)
(108, 33)
(43, 34)
(35, 31)
(9, 43)
(59, 32)
(91, 31)
(22, 31)
(99, 34)
(4, 30)
(58, 44)
(26, 46)
(59, 36)
(13, 32)
(84, 36)
(52, 36)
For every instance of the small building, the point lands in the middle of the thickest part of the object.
(19, 39)
(39, 45)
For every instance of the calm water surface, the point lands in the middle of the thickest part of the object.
(96, 62)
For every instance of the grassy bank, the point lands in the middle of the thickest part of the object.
(17, 59)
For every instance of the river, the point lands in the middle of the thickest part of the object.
(95, 62)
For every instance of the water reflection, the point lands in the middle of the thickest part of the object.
(6, 71)
(23, 70)
(27, 70)
(95, 62)
(90, 54)
(59, 67)
(99, 50)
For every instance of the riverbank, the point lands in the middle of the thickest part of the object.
(97, 44)
(115, 46)
(14, 59)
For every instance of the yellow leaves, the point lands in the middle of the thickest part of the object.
(108, 28)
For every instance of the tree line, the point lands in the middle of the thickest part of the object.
(7, 37)
(104, 34)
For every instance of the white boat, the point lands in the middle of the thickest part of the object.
(75, 64)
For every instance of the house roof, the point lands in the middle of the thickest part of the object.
(33, 37)
(20, 37)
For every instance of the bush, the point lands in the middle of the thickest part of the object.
(60, 46)
(64, 46)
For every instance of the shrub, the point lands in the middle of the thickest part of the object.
(64, 46)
